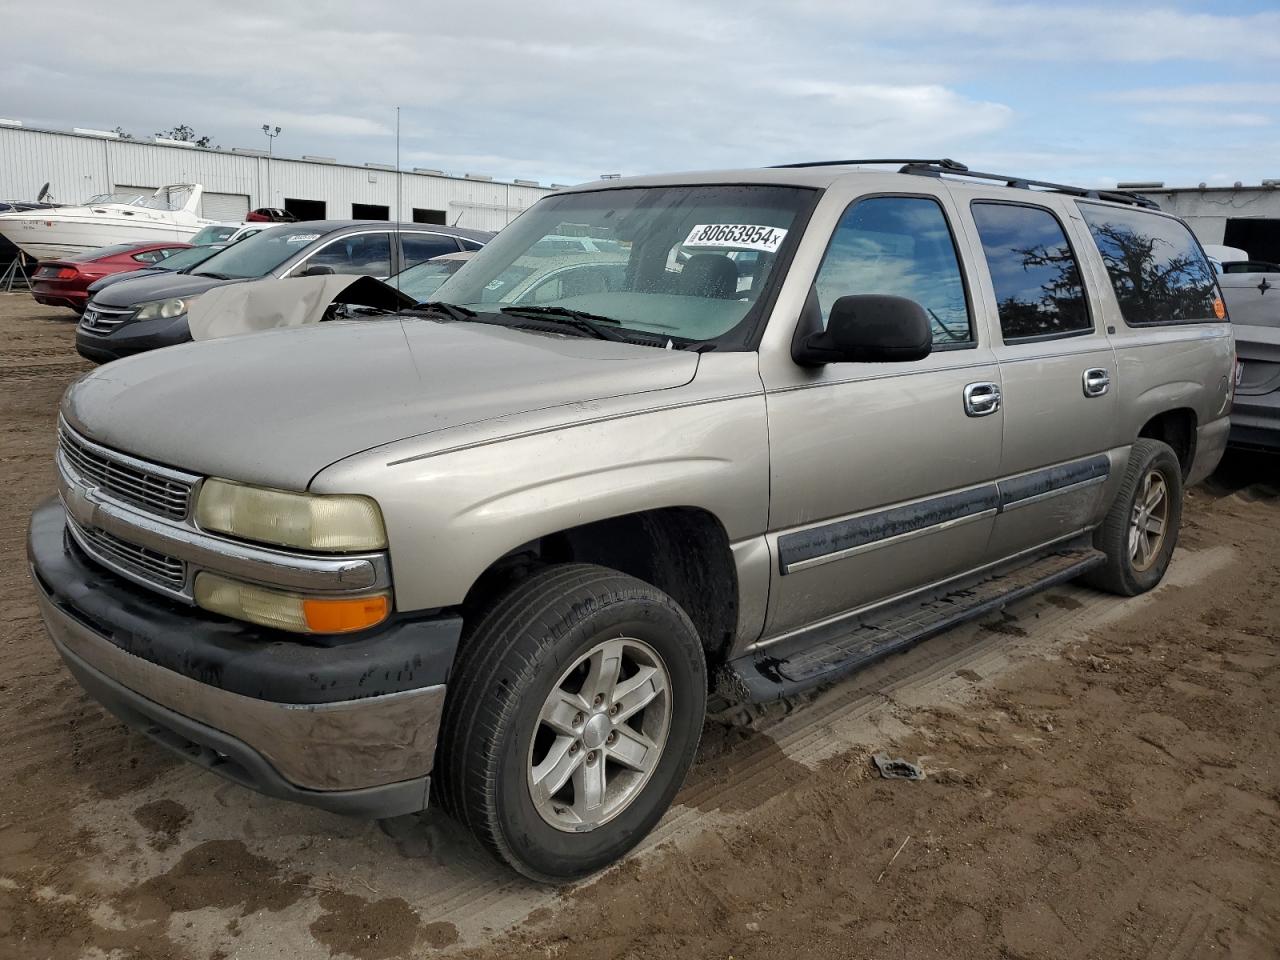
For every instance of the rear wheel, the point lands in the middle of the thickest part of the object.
(1141, 528)
(572, 718)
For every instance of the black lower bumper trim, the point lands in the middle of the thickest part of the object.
(234, 759)
(1255, 438)
(406, 653)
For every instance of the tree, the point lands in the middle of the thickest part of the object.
(123, 134)
(1150, 278)
(186, 134)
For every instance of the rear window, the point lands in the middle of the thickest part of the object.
(1158, 271)
(1033, 271)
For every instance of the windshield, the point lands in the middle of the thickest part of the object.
(129, 198)
(214, 233)
(258, 255)
(680, 262)
(422, 280)
(185, 258)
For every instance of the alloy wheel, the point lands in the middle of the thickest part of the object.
(601, 732)
(1149, 520)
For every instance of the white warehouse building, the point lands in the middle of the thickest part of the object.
(1242, 216)
(86, 163)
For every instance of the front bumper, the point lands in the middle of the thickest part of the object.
(131, 337)
(350, 727)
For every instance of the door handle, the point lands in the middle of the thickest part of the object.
(981, 399)
(1096, 382)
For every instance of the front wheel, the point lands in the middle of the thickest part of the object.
(1141, 528)
(572, 718)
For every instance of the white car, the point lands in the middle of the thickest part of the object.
(224, 233)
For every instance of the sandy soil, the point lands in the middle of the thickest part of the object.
(1104, 781)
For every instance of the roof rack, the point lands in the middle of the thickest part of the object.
(951, 166)
(930, 169)
(936, 168)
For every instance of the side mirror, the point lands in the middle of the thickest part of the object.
(869, 328)
(317, 270)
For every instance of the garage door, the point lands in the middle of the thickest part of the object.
(228, 207)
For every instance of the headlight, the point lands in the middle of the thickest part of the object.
(288, 611)
(336, 524)
(163, 309)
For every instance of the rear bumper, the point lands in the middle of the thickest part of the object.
(1255, 421)
(74, 299)
(362, 755)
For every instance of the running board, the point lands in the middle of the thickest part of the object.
(827, 654)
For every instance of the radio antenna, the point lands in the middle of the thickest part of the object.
(399, 201)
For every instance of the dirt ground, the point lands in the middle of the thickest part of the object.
(1104, 781)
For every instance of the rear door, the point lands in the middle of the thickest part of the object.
(1057, 371)
(881, 481)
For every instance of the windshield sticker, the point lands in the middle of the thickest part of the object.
(302, 237)
(740, 236)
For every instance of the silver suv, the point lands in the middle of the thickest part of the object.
(500, 556)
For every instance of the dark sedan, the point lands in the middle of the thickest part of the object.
(182, 261)
(151, 311)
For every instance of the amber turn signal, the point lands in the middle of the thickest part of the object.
(346, 615)
(289, 611)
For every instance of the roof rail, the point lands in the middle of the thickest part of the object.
(936, 168)
(930, 169)
(950, 166)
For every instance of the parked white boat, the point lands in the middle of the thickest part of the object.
(171, 213)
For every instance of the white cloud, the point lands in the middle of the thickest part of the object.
(558, 91)
(1239, 93)
(1063, 31)
(1184, 117)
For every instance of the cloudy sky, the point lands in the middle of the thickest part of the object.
(559, 91)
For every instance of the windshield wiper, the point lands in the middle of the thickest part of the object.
(592, 324)
(216, 276)
(450, 310)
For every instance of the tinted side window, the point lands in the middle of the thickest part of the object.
(1034, 273)
(900, 246)
(423, 246)
(1158, 271)
(361, 254)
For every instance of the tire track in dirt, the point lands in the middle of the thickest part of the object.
(97, 816)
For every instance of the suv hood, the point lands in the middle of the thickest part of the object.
(156, 286)
(276, 408)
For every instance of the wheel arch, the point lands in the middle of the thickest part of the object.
(683, 551)
(1177, 428)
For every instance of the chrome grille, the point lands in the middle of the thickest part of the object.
(130, 558)
(102, 319)
(155, 490)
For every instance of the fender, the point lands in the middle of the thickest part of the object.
(453, 510)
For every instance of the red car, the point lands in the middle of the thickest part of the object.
(64, 282)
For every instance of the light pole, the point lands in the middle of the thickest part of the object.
(271, 136)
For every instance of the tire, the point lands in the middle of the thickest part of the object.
(1152, 465)
(527, 646)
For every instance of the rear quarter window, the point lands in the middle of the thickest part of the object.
(1157, 270)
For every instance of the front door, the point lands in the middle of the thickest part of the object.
(1058, 373)
(881, 482)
